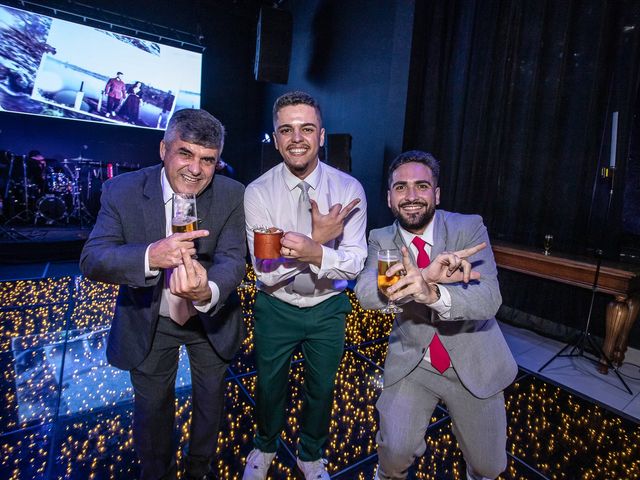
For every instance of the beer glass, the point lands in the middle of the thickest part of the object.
(387, 258)
(184, 217)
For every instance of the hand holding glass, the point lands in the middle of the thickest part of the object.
(184, 217)
(386, 259)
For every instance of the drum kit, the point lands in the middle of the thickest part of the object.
(49, 192)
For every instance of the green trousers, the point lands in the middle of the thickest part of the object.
(279, 329)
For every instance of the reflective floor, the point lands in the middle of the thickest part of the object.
(67, 414)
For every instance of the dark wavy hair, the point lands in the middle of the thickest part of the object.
(417, 156)
(295, 98)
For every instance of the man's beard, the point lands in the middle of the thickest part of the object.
(414, 221)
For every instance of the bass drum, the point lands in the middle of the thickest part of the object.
(52, 208)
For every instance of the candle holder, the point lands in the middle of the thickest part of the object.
(548, 240)
(607, 172)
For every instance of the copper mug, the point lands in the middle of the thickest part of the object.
(266, 242)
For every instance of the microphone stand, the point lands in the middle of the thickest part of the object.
(585, 338)
(25, 213)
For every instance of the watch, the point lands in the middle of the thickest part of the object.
(437, 289)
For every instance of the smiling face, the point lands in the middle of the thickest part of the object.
(189, 167)
(298, 137)
(413, 196)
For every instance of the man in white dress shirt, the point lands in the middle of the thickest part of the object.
(301, 299)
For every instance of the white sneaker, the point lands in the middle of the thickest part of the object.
(473, 476)
(314, 470)
(376, 476)
(257, 465)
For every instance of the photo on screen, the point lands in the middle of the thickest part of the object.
(62, 69)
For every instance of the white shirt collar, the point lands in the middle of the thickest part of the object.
(427, 235)
(313, 179)
(167, 191)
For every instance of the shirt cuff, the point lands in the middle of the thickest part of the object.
(442, 306)
(148, 272)
(215, 296)
(329, 260)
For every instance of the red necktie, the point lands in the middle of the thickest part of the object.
(438, 354)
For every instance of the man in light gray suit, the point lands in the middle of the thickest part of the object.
(445, 345)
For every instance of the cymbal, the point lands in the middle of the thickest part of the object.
(128, 166)
(80, 159)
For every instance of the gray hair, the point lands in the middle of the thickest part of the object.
(195, 126)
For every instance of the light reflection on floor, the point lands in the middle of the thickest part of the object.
(68, 413)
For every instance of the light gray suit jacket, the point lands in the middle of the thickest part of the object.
(471, 335)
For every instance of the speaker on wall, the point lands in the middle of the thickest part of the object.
(339, 151)
(270, 157)
(273, 45)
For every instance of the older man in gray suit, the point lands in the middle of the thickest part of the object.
(445, 345)
(169, 297)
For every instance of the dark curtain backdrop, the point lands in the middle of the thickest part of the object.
(515, 98)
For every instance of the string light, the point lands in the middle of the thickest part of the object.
(555, 432)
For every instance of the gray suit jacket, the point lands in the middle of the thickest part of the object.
(132, 217)
(478, 351)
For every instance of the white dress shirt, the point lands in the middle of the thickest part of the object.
(167, 197)
(272, 201)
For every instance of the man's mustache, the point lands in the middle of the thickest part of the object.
(408, 204)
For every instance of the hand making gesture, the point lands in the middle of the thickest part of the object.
(330, 226)
(167, 252)
(447, 267)
(189, 280)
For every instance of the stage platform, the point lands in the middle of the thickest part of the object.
(41, 244)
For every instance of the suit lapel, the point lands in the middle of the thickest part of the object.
(439, 235)
(153, 205)
(399, 242)
(203, 205)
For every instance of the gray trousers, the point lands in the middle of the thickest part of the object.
(405, 408)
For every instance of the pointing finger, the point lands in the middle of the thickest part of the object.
(189, 236)
(352, 204)
(406, 259)
(335, 209)
(314, 207)
(187, 261)
(467, 252)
